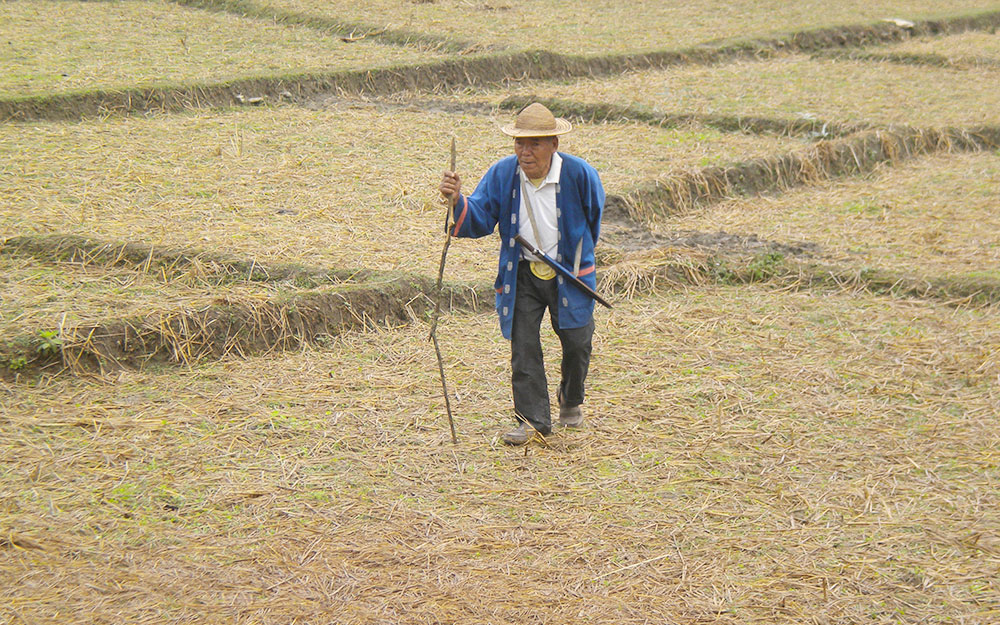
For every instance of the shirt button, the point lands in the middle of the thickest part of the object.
(504, 311)
(558, 212)
(560, 279)
(559, 257)
(513, 219)
(565, 302)
(510, 265)
(512, 242)
(506, 288)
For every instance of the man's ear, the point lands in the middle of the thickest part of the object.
(555, 142)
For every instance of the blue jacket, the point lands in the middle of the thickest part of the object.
(579, 203)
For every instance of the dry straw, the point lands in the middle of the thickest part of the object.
(350, 32)
(963, 49)
(486, 70)
(202, 333)
(753, 455)
(755, 125)
(170, 264)
(649, 270)
(306, 187)
(43, 298)
(930, 217)
(81, 48)
(241, 327)
(682, 192)
(767, 457)
(597, 28)
(797, 86)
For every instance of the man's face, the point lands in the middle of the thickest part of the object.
(534, 154)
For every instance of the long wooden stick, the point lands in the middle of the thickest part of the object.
(437, 303)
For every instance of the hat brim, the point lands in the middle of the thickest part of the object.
(562, 127)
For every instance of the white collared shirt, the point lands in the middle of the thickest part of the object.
(543, 201)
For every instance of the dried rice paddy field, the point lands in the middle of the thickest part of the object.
(601, 26)
(844, 90)
(934, 216)
(753, 457)
(281, 184)
(964, 47)
(219, 404)
(48, 296)
(61, 46)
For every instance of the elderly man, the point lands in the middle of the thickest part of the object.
(553, 200)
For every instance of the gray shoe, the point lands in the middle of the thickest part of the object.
(571, 416)
(521, 435)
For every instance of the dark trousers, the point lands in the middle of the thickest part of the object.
(531, 393)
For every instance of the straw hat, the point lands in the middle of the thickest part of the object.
(535, 120)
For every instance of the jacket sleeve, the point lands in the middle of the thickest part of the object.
(593, 202)
(476, 215)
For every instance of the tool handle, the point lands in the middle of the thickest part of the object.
(566, 273)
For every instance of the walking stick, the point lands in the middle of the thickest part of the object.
(437, 303)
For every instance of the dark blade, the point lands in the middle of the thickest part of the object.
(565, 273)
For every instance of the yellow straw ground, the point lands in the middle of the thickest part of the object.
(933, 216)
(55, 46)
(347, 187)
(767, 457)
(752, 456)
(601, 26)
(46, 297)
(964, 46)
(799, 86)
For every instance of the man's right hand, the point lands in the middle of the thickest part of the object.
(451, 185)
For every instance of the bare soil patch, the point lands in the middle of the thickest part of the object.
(721, 242)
